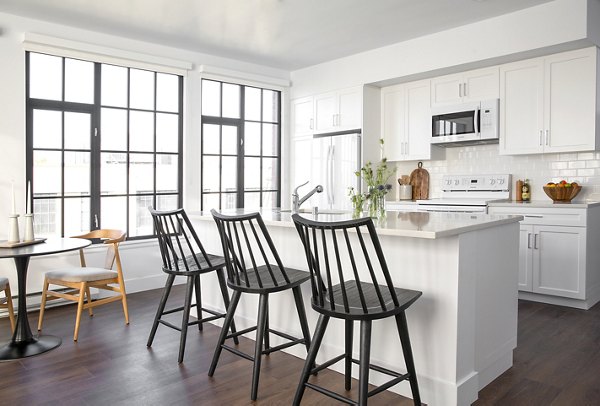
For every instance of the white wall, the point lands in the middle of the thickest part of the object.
(141, 260)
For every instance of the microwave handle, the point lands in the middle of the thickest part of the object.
(476, 119)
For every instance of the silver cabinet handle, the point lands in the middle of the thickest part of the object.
(460, 90)
(406, 148)
(548, 137)
(529, 240)
(541, 135)
(465, 89)
(311, 123)
(535, 241)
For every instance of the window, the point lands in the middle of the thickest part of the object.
(241, 146)
(103, 143)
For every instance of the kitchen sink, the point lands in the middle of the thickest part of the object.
(324, 211)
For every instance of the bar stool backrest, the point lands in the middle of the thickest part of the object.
(247, 246)
(180, 248)
(339, 253)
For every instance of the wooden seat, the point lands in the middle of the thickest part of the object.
(81, 279)
(347, 284)
(183, 255)
(254, 266)
(6, 301)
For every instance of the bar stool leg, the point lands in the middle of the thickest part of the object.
(161, 308)
(186, 316)
(365, 358)
(267, 338)
(225, 294)
(302, 316)
(348, 358)
(408, 357)
(263, 306)
(198, 292)
(224, 330)
(311, 357)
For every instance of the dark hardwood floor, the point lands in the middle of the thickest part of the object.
(111, 365)
(557, 362)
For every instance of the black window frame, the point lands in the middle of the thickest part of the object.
(240, 124)
(96, 151)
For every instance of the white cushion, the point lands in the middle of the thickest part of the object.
(3, 282)
(88, 274)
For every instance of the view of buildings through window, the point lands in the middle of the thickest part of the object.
(241, 148)
(103, 143)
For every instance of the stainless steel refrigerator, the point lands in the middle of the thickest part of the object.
(335, 159)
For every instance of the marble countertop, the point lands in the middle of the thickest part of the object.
(544, 204)
(402, 224)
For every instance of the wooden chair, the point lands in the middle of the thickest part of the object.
(337, 261)
(254, 267)
(183, 255)
(6, 301)
(81, 279)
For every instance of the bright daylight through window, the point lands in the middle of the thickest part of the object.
(103, 143)
(241, 148)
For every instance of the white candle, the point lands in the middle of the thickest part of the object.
(28, 211)
(14, 204)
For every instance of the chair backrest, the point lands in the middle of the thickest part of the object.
(180, 247)
(247, 246)
(112, 238)
(335, 256)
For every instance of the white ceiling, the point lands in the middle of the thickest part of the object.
(285, 34)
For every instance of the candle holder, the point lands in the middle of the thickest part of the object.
(29, 236)
(13, 228)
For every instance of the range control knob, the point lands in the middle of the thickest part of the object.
(492, 181)
(501, 181)
(456, 182)
(448, 182)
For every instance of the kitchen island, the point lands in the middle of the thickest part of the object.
(464, 327)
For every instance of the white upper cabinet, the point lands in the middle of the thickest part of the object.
(475, 85)
(549, 104)
(406, 122)
(338, 111)
(302, 116)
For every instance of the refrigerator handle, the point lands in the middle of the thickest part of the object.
(327, 174)
(332, 177)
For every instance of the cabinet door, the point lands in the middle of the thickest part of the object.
(393, 121)
(349, 106)
(521, 107)
(301, 154)
(525, 257)
(302, 116)
(481, 84)
(325, 111)
(559, 261)
(418, 121)
(446, 90)
(570, 101)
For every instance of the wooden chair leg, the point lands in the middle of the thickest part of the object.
(89, 301)
(225, 294)
(408, 357)
(161, 308)
(186, 316)
(263, 307)
(43, 304)
(365, 359)
(11, 310)
(198, 291)
(124, 301)
(349, 330)
(311, 357)
(82, 289)
(224, 330)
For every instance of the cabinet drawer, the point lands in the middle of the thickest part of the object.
(546, 216)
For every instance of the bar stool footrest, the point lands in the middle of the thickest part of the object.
(331, 394)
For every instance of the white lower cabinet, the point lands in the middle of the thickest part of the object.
(558, 262)
(552, 260)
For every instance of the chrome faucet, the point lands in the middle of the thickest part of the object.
(297, 201)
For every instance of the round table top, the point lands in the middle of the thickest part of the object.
(50, 246)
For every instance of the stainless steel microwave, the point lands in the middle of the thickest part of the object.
(467, 123)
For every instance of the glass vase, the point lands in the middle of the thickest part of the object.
(377, 206)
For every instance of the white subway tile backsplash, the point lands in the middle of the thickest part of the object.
(583, 167)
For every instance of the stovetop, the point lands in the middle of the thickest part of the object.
(472, 190)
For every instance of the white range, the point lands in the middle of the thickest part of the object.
(468, 193)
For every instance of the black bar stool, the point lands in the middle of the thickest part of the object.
(183, 255)
(337, 260)
(254, 266)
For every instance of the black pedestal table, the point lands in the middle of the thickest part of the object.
(23, 343)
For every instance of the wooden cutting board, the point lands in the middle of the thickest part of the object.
(419, 179)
